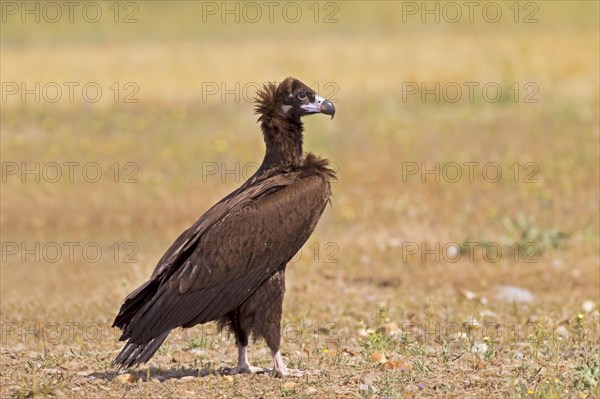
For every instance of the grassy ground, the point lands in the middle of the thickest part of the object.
(377, 298)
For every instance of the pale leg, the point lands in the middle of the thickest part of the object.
(281, 370)
(243, 365)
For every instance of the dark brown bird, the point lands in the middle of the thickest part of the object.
(229, 266)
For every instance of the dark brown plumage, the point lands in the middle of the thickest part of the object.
(229, 266)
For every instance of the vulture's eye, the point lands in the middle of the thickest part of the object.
(302, 95)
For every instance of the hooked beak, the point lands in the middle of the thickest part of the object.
(320, 105)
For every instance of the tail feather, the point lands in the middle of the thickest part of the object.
(134, 354)
(133, 303)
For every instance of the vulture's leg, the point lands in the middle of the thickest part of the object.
(243, 365)
(281, 370)
(261, 316)
(272, 303)
(241, 341)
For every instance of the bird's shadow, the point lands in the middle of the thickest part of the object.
(154, 374)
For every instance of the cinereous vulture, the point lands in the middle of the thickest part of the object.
(229, 266)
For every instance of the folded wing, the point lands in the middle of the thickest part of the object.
(215, 265)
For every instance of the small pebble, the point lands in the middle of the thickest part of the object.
(472, 323)
(452, 251)
(378, 357)
(398, 365)
(511, 293)
(588, 306)
(51, 371)
(480, 349)
(470, 295)
(126, 378)
(562, 331)
(198, 352)
(369, 378)
(488, 314)
(361, 332)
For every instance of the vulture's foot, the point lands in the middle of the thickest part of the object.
(243, 366)
(281, 370)
(243, 369)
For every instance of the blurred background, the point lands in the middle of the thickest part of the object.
(466, 146)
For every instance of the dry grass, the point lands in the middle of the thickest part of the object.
(360, 296)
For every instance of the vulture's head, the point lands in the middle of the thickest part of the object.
(291, 99)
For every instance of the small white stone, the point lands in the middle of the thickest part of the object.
(362, 333)
(488, 314)
(480, 349)
(562, 331)
(368, 388)
(470, 295)
(52, 371)
(394, 242)
(511, 293)
(557, 263)
(198, 352)
(369, 378)
(472, 323)
(588, 306)
(452, 251)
